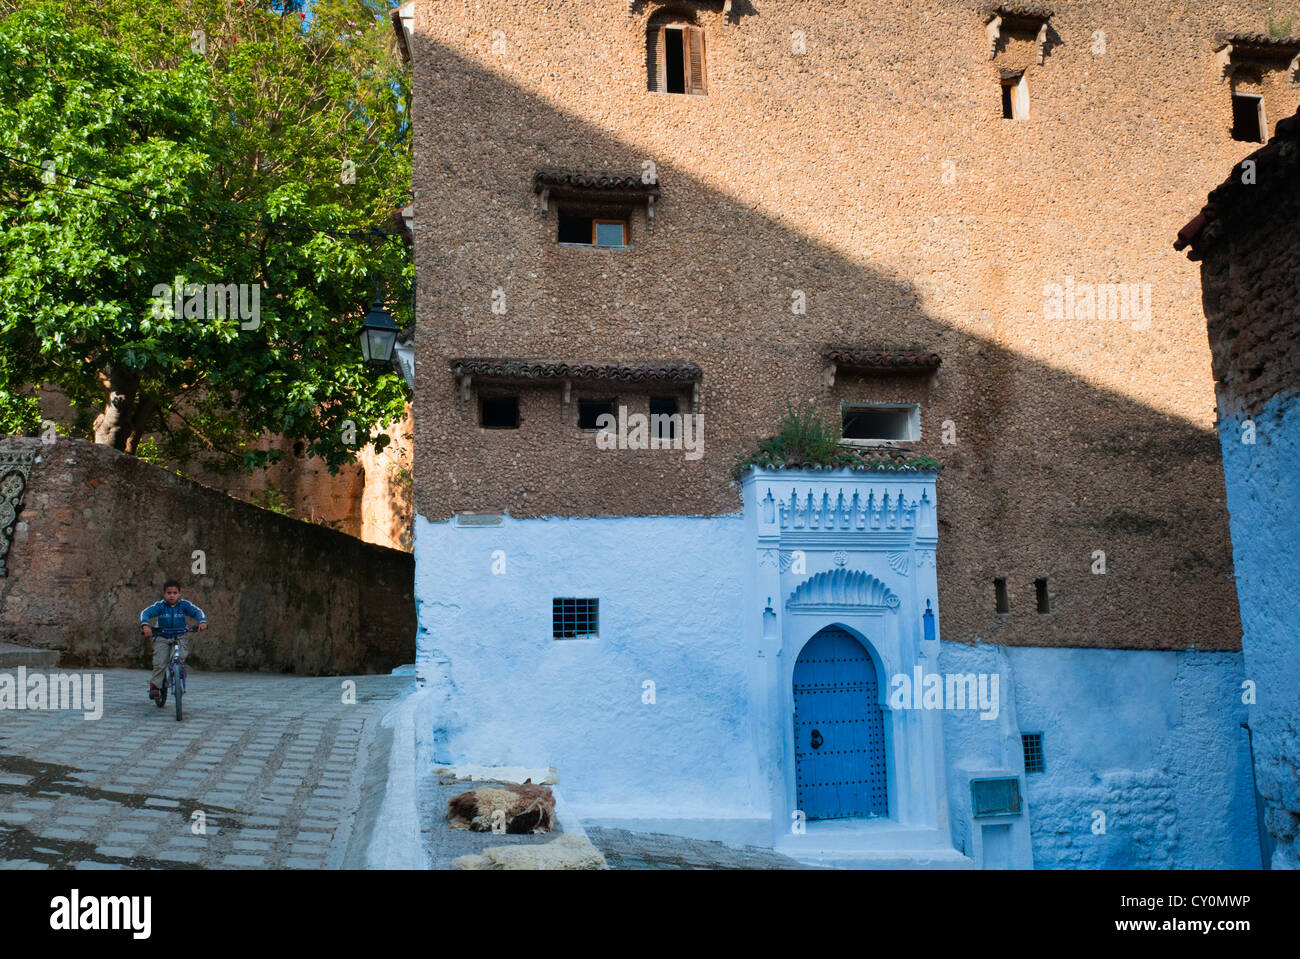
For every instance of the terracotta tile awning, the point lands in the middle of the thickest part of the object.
(1019, 12)
(501, 370)
(882, 361)
(1014, 17)
(593, 182)
(1259, 44)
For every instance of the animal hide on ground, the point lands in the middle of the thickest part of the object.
(522, 809)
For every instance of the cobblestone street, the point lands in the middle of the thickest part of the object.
(273, 764)
(637, 850)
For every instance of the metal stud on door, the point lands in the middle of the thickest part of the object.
(839, 730)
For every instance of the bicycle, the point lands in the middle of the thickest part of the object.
(174, 673)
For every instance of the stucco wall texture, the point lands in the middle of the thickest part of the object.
(1150, 738)
(1250, 269)
(875, 174)
(100, 531)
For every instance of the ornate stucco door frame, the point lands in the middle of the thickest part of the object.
(854, 550)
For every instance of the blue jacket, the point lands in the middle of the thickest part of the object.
(171, 617)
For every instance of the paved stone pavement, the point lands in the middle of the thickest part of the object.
(638, 850)
(274, 763)
(442, 844)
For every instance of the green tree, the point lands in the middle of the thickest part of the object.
(165, 144)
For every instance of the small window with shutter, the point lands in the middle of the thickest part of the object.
(676, 60)
(1015, 96)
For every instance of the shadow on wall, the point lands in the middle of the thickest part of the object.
(1048, 470)
(100, 531)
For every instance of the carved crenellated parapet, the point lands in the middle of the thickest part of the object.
(868, 507)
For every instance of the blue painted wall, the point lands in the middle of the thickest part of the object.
(670, 593)
(1151, 738)
(1263, 484)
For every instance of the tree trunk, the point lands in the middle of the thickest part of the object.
(113, 425)
(145, 408)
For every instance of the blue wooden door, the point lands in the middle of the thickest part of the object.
(839, 730)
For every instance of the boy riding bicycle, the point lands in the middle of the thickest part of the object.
(171, 612)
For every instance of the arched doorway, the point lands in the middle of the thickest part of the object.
(839, 730)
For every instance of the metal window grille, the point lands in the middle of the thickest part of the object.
(1033, 743)
(575, 618)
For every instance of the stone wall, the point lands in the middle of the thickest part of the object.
(370, 499)
(99, 532)
(866, 191)
(1249, 245)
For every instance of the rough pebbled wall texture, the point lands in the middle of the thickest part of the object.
(875, 174)
(100, 532)
(1250, 271)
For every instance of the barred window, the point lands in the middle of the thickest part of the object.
(575, 618)
(1033, 744)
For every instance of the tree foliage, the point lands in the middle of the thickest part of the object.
(161, 143)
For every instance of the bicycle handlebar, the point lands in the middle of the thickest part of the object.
(173, 633)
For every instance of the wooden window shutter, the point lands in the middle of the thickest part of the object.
(656, 63)
(695, 60)
(1020, 99)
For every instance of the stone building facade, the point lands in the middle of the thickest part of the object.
(1248, 243)
(941, 223)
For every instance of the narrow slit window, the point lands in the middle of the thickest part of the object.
(499, 412)
(1040, 588)
(1000, 596)
(575, 618)
(1248, 117)
(590, 412)
(1015, 97)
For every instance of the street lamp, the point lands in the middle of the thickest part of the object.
(378, 334)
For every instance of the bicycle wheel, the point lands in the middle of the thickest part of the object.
(177, 690)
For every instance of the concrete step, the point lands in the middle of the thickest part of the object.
(12, 656)
(873, 844)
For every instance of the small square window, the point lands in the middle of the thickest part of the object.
(590, 412)
(592, 231)
(879, 423)
(663, 417)
(1033, 745)
(575, 618)
(1248, 118)
(499, 412)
